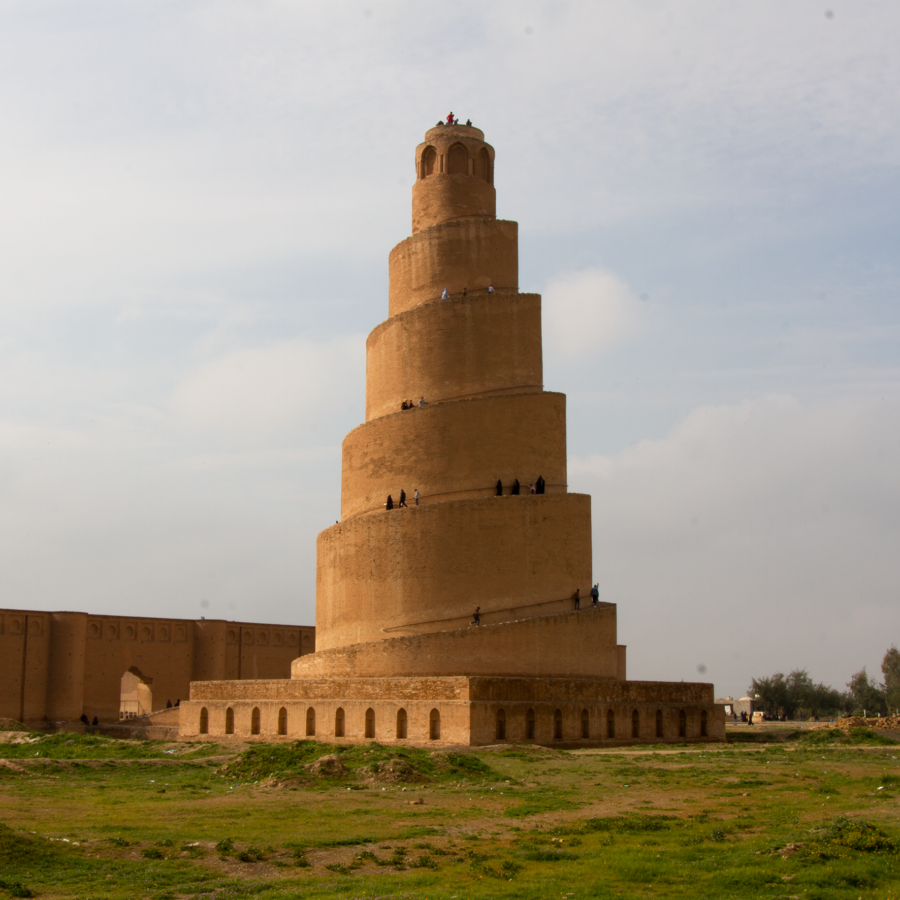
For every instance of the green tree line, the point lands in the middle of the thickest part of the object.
(796, 693)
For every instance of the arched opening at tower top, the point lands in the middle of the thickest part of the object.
(135, 694)
(458, 160)
(484, 165)
(429, 161)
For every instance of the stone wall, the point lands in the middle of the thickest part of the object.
(453, 349)
(56, 666)
(315, 708)
(455, 450)
(468, 254)
(580, 644)
(469, 710)
(433, 564)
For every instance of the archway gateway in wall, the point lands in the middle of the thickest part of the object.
(457, 605)
(136, 694)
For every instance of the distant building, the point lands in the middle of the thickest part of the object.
(734, 707)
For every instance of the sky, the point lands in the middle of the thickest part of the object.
(197, 204)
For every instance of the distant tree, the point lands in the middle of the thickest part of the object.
(824, 700)
(890, 668)
(786, 695)
(769, 694)
(866, 694)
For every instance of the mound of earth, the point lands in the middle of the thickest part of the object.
(305, 762)
(329, 765)
(889, 723)
(392, 771)
(12, 725)
(17, 737)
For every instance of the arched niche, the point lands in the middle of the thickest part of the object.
(484, 165)
(457, 160)
(429, 162)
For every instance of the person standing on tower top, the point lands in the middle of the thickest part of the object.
(595, 594)
(450, 119)
(577, 598)
(445, 295)
(416, 496)
(402, 503)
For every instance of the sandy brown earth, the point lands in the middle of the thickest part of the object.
(880, 723)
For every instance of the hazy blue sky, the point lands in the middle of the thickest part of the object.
(197, 204)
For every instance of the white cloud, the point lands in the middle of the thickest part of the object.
(261, 392)
(763, 535)
(583, 311)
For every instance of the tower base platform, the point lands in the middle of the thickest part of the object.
(453, 710)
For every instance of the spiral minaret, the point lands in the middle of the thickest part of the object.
(461, 335)
(398, 656)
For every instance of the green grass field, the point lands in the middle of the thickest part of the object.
(88, 817)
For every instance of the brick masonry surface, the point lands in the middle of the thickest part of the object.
(466, 710)
(56, 666)
(455, 349)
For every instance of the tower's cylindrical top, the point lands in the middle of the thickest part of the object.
(454, 177)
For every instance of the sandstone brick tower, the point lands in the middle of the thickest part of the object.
(396, 656)
(476, 359)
